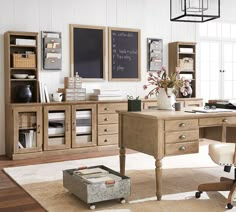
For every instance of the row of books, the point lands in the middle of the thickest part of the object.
(106, 94)
(27, 139)
(44, 96)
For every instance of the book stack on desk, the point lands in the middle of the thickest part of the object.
(222, 103)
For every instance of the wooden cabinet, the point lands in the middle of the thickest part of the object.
(23, 130)
(57, 127)
(183, 55)
(84, 125)
(21, 66)
(108, 122)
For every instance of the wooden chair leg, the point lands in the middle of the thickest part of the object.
(218, 186)
(232, 193)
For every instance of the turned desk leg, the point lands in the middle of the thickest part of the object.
(122, 161)
(158, 178)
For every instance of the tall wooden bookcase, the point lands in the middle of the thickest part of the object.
(21, 53)
(183, 55)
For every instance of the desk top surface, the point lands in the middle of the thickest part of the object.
(170, 115)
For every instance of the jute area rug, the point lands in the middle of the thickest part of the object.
(181, 176)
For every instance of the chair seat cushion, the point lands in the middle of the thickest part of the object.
(222, 153)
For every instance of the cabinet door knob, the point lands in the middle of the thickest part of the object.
(106, 119)
(105, 130)
(182, 124)
(38, 128)
(73, 125)
(67, 127)
(105, 140)
(182, 137)
(182, 148)
(225, 120)
(106, 108)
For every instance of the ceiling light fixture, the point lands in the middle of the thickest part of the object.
(194, 10)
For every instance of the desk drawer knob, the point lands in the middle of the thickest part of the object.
(182, 124)
(106, 119)
(106, 108)
(105, 140)
(105, 130)
(182, 137)
(182, 148)
(225, 120)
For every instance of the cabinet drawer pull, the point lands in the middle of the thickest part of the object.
(38, 129)
(105, 140)
(225, 120)
(182, 148)
(106, 108)
(182, 137)
(182, 125)
(106, 119)
(105, 130)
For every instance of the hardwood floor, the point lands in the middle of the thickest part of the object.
(14, 198)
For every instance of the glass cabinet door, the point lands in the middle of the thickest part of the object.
(27, 129)
(57, 127)
(84, 130)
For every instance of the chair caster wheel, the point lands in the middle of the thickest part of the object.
(122, 201)
(92, 206)
(229, 206)
(198, 194)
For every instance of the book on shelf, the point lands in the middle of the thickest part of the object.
(106, 97)
(46, 94)
(106, 92)
(56, 116)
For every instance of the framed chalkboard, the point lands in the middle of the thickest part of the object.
(87, 44)
(124, 54)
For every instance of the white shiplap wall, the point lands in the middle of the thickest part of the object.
(151, 16)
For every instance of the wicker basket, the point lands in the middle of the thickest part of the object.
(24, 61)
(186, 64)
(27, 120)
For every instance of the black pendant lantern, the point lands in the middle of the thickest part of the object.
(194, 10)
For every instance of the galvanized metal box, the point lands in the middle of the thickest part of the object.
(96, 192)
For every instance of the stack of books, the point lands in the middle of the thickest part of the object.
(106, 94)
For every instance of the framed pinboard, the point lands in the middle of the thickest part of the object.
(124, 54)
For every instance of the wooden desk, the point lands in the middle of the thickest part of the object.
(163, 133)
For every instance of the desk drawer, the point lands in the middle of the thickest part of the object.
(217, 121)
(107, 118)
(182, 148)
(107, 139)
(107, 129)
(111, 107)
(181, 125)
(181, 136)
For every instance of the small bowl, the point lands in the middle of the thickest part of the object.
(31, 76)
(20, 76)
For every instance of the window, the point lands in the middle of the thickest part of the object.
(217, 76)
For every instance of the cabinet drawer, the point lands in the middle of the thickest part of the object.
(181, 136)
(215, 121)
(111, 107)
(107, 139)
(182, 148)
(195, 103)
(107, 129)
(181, 125)
(107, 118)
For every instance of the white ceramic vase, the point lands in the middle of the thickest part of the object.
(166, 101)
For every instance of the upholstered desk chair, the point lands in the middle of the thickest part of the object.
(223, 154)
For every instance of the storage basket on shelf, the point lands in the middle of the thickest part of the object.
(24, 61)
(186, 64)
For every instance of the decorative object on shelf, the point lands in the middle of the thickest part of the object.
(134, 104)
(24, 94)
(194, 10)
(51, 49)
(57, 97)
(165, 87)
(154, 54)
(186, 90)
